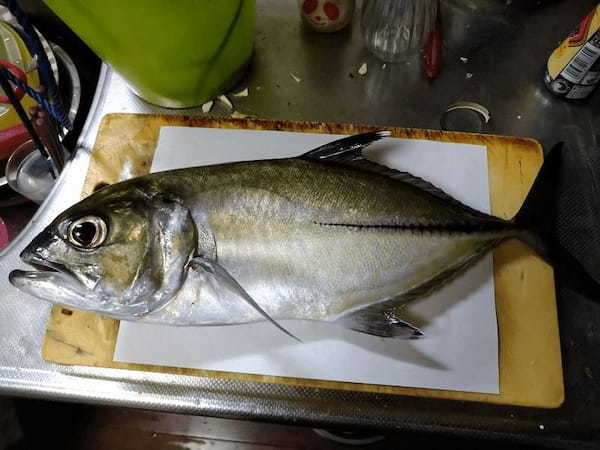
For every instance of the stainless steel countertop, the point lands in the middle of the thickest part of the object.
(506, 56)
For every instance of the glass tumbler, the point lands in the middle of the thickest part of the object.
(394, 30)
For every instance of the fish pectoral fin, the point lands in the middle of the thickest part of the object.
(379, 322)
(225, 278)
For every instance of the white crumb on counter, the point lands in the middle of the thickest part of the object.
(226, 101)
(238, 115)
(126, 171)
(207, 107)
(243, 93)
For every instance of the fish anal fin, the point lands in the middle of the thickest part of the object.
(439, 280)
(379, 323)
(384, 319)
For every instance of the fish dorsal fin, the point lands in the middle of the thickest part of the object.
(367, 165)
(346, 149)
(348, 152)
(370, 166)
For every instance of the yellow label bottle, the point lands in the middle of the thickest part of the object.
(573, 70)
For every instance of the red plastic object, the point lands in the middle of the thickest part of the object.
(17, 72)
(432, 52)
(577, 37)
(11, 138)
(3, 235)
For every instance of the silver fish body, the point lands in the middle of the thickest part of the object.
(313, 246)
(328, 236)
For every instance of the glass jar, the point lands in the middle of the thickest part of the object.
(395, 30)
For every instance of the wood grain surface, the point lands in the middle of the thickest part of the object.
(529, 356)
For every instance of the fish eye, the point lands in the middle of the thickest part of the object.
(87, 232)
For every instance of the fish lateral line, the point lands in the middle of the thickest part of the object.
(430, 227)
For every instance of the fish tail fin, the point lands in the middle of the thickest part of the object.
(536, 221)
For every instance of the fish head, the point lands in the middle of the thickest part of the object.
(122, 252)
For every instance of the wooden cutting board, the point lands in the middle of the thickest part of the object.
(529, 356)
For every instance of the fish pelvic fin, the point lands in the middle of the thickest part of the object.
(231, 283)
(537, 223)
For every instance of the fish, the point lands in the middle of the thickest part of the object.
(326, 236)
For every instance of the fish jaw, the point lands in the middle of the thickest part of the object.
(56, 283)
(55, 287)
(64, 288)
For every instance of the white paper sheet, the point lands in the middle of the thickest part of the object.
(460, 350)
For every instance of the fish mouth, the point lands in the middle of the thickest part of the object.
(42, 264)
(56, 283)
(53, 281)
(45, 267)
